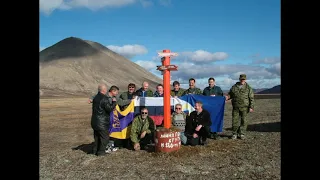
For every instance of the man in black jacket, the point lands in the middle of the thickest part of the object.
(198, 125)
(102, 106)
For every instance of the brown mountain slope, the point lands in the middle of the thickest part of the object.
(76, 66)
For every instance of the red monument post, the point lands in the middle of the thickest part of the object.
(167, 140)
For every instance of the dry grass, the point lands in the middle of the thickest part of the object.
(65, 124)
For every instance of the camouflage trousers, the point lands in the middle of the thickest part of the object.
(239, 120)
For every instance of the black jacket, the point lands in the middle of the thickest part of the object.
(101, 109)
(194, 120)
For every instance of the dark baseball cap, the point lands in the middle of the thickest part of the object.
(243, 76)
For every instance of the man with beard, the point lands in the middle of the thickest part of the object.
(198, 125)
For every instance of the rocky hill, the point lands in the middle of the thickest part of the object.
(75, 67)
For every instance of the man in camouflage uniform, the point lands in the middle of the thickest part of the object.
(176, 91)
(242, 97)
(192, 88)
(142, 130)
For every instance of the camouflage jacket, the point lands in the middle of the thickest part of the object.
(193, 91)
(241, 96)
(179, 93)
(149, 93)
(138, 126)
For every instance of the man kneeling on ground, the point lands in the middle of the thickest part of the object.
(178, 119)
(198, 126)
(142, 130)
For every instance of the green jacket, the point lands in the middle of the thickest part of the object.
(216, 90)
(242, 97)
(179, 93)
(193, 91)
(120, 101)
(125, 96)
(138, 127)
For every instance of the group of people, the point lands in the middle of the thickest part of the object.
(194, 127)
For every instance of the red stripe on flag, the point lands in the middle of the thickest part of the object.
(157, 119)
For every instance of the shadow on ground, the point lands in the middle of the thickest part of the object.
(87, 148)
(263, 127)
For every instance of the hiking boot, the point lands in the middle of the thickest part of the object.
(111, 148)
(204, 143)
(242, 136)
(234, 136)
(216, 136)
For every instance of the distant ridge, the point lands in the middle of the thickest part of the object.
(273, 90)
(75, 66)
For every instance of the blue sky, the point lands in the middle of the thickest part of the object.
(219, 39)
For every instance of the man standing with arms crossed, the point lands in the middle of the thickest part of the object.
(242, 97)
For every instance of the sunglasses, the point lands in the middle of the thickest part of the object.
(131, 87)
(144, 113)
(178, 108)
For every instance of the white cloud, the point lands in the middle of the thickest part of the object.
(230, 73)
(187, 70)
(261, 73)
(148, 65)
(129, 51)
(275, 68)
(202, 56)
(48, 6)
(272, 60)
(225, 75)
(227, 83)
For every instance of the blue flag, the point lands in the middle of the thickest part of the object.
(213, 104)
